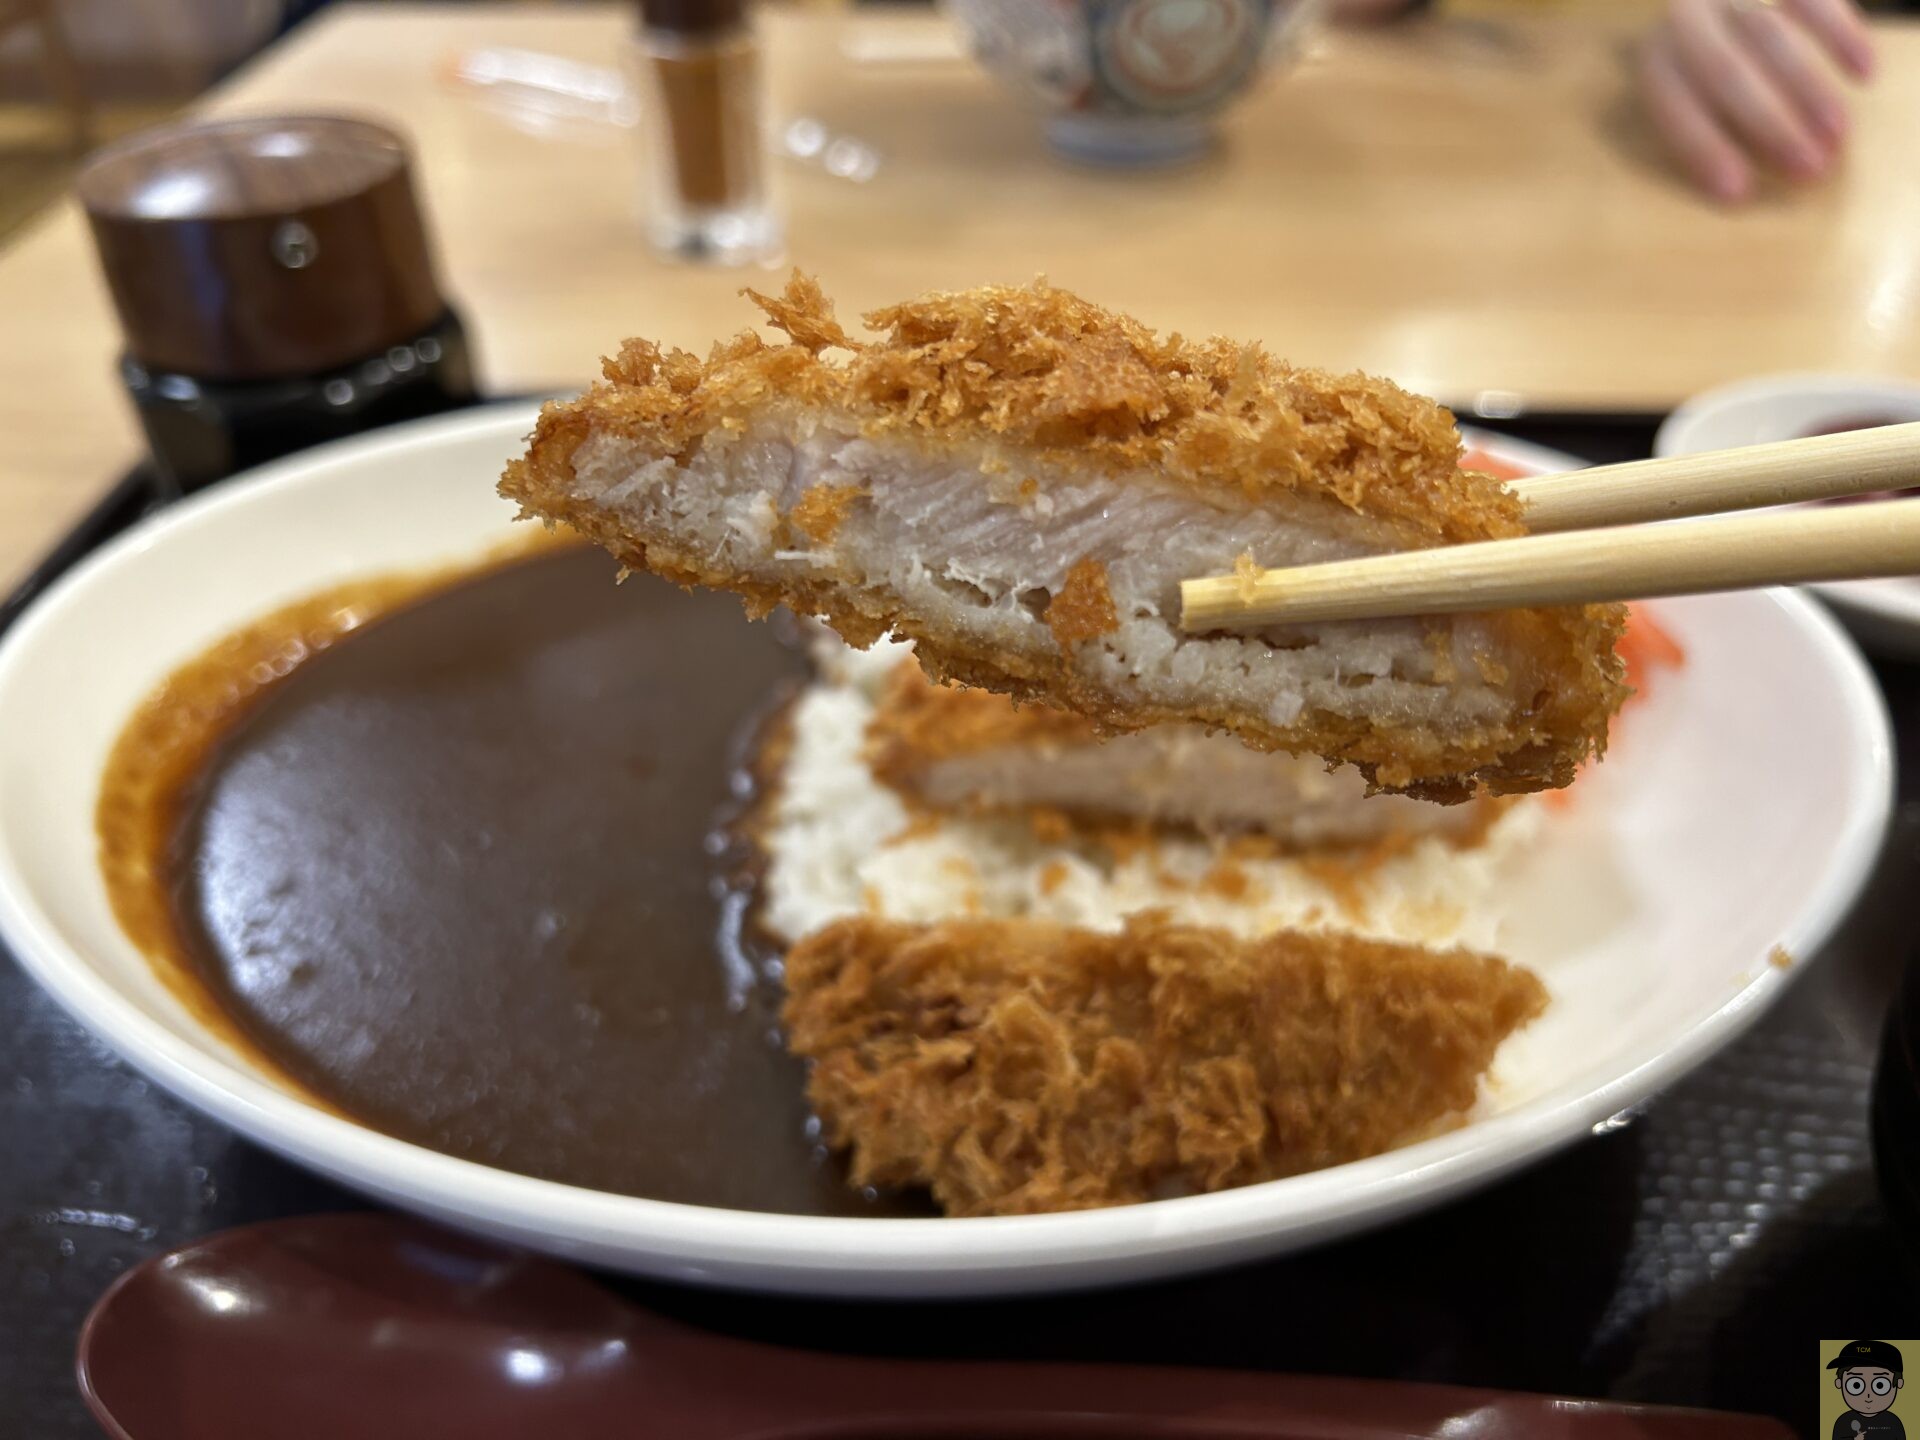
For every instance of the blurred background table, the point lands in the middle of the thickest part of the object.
(1467, 204)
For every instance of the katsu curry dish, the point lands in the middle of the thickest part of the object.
(969, 883)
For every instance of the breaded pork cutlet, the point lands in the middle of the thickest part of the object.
(1018, 480)
(955, 748)
(1013, 1066)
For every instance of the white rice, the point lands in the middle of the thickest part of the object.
(841, 843)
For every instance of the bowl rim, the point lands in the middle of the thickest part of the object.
(822, 1254)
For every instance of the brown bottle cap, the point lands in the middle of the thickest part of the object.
(693, 17)
(261, 248)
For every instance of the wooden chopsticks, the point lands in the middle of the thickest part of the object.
(1820, 467)
(1635, 562)
(1628, 561)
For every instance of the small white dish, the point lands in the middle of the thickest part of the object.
(1741, 810)
(1884, 614)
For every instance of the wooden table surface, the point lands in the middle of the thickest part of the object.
(1467, 205)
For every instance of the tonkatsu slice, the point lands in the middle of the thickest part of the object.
(1013, 1066)
(964, 750)
(1018, 480)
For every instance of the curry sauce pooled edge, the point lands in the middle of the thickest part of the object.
(160, 756)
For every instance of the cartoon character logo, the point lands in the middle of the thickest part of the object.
(1867, 1373)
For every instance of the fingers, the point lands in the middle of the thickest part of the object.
(1699, 142)
(1742, 91)
(1791, 56)
(1729, 82)
(1841, 29)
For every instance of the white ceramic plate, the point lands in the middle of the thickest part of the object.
(1885, 614)
(1741, 811)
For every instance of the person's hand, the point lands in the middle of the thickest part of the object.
(1733, 83)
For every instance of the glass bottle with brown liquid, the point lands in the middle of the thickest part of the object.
(697, 71)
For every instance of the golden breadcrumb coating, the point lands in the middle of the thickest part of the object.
(1038, 371)
(1042, 369)
(1013, 1066)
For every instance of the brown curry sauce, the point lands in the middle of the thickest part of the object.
(458, 857)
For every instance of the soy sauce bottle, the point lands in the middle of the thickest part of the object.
(276, 285)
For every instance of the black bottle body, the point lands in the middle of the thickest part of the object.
(201, 431)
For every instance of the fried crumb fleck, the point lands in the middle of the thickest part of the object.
(1440, 647)
(920, 824)
(1248, 575)
(1489, 668)
(1125, 841)
(1049, 827)
(819, 513)
(805, 315)
(1083, 608)
(1346, 881)
(1228, 880)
